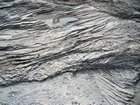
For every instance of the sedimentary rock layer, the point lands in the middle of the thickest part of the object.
(40, 39)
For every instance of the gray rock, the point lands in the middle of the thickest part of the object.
(93, 47)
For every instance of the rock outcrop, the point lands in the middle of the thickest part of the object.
(41, 39)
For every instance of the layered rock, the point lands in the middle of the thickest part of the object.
(41, 39)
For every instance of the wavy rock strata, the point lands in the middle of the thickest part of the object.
(41, 39)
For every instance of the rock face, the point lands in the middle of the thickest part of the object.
(94, 44)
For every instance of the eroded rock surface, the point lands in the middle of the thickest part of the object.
(41, 39)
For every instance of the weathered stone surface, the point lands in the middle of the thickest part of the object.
(66, 89)
(41, 39)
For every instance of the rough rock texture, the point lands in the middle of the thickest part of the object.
(41, 39)
(66, 89)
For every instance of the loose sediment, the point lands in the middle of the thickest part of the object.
(41, 39)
